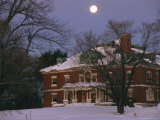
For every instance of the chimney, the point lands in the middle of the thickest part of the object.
(126, 42)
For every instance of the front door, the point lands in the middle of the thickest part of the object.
(69, 97)
(93, 97)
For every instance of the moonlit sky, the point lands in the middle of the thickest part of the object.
(79, 19)
(76, 12)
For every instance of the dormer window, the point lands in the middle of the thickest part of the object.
(67, 78)
(54, 81)
(81, 78)
(149, 76)
(94, 77)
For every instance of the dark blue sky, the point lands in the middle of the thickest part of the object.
(76, 12)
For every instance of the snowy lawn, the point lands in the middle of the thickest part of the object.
(82, 112)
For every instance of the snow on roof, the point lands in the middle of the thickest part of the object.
(158, 59)
(82, 84)
(140, 51)
(74, 61)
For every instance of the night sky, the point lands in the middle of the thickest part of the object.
(76, 12)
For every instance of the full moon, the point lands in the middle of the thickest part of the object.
(93, 8)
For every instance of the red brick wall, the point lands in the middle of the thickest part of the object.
(139, 79)
(47, 99)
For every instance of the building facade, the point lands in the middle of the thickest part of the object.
(73, 81)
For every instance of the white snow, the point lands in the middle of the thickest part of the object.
(82, 84)
(82, 111)
(148, 60)
(74, 61)
(140, 51)
(158, 59)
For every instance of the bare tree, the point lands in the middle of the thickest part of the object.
(24, 25)
(113, 57)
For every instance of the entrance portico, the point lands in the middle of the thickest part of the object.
(80, 92)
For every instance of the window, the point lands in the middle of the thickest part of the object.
(157, 95)
(94, 77)
(130, 92)
(157, 77)
(67, 78)
(111, 74)
(149, 76)
(127, 76)
(54, 80)
(149, 94)
(81, 78)
(54, 97)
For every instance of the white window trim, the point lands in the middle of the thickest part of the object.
(149, 94)
(53, 102)
(149, 72)
(81, 75)
(93, 74)
(130, 90)
(53, 85)
(67, 77)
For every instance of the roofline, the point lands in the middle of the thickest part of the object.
(90, 68)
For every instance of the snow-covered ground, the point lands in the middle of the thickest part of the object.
(82, 112)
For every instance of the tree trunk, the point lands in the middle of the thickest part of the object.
(120, 109)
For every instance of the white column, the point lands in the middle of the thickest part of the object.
(87, 95)
(157, 95)
(65, 101)
(99, 94)
(64, 95)
(97, 99)
(96, 94)
(75, 95)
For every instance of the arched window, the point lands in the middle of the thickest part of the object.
(94, 77)
(87, 75)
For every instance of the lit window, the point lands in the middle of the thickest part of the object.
(67, 78)
(81, 78)
(54, 80)
(149, 76)
(149, 94)
(94, 77)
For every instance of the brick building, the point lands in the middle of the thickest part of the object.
(67, 82)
